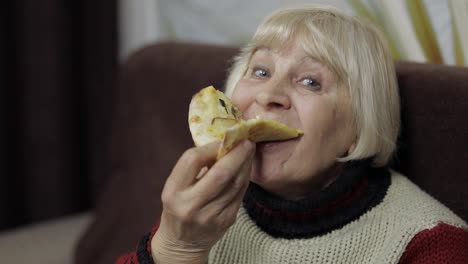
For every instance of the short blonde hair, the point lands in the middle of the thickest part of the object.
(356, 52)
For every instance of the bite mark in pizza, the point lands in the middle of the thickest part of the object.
(212, 117)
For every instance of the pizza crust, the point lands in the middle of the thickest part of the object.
(213, 117)
(210, 114)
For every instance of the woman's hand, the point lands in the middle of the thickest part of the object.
(200, 204)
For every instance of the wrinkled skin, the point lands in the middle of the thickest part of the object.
(197, 212)
(289, 86)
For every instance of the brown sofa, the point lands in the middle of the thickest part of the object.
(149, 132)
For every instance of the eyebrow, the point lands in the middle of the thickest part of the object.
(264, 50)
(270, 51)
(310, 59)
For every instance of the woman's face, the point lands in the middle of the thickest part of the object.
(289, 86)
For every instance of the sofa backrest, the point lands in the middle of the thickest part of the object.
(150, 132)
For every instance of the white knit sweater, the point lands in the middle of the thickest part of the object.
(378, 236)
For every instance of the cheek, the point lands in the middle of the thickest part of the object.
(344, 119)
(322, 126)
(337, 133)
(242, 97)
(318, 117)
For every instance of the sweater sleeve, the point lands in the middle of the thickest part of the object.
(442, 244)
(142, 254)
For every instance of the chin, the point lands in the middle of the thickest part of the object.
(273, 185)
(270, 160)
(265, 174)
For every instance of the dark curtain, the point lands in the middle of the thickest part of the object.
(57, 66)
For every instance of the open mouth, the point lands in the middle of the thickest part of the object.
(277, 144)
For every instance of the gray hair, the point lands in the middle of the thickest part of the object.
(356, 52)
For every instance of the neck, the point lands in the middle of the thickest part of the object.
(316, 185)
(354, 191)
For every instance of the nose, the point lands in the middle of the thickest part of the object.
(273, 98)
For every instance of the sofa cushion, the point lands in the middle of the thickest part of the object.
(48, 242)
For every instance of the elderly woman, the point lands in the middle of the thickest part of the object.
(325, 197)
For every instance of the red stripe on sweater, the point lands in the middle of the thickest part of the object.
(131, 258)
(148, 246)
(442, 244)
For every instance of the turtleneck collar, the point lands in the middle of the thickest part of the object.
(358, 189)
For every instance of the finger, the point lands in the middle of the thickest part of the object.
(233, 192)
(202, 172)
(226, 212)
(232, 208)
(224, 171)
(191, 164)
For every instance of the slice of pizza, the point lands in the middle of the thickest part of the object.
(212, 116)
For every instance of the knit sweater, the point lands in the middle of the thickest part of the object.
(367, 216)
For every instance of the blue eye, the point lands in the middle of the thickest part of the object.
(261, 73)
(311, 83)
